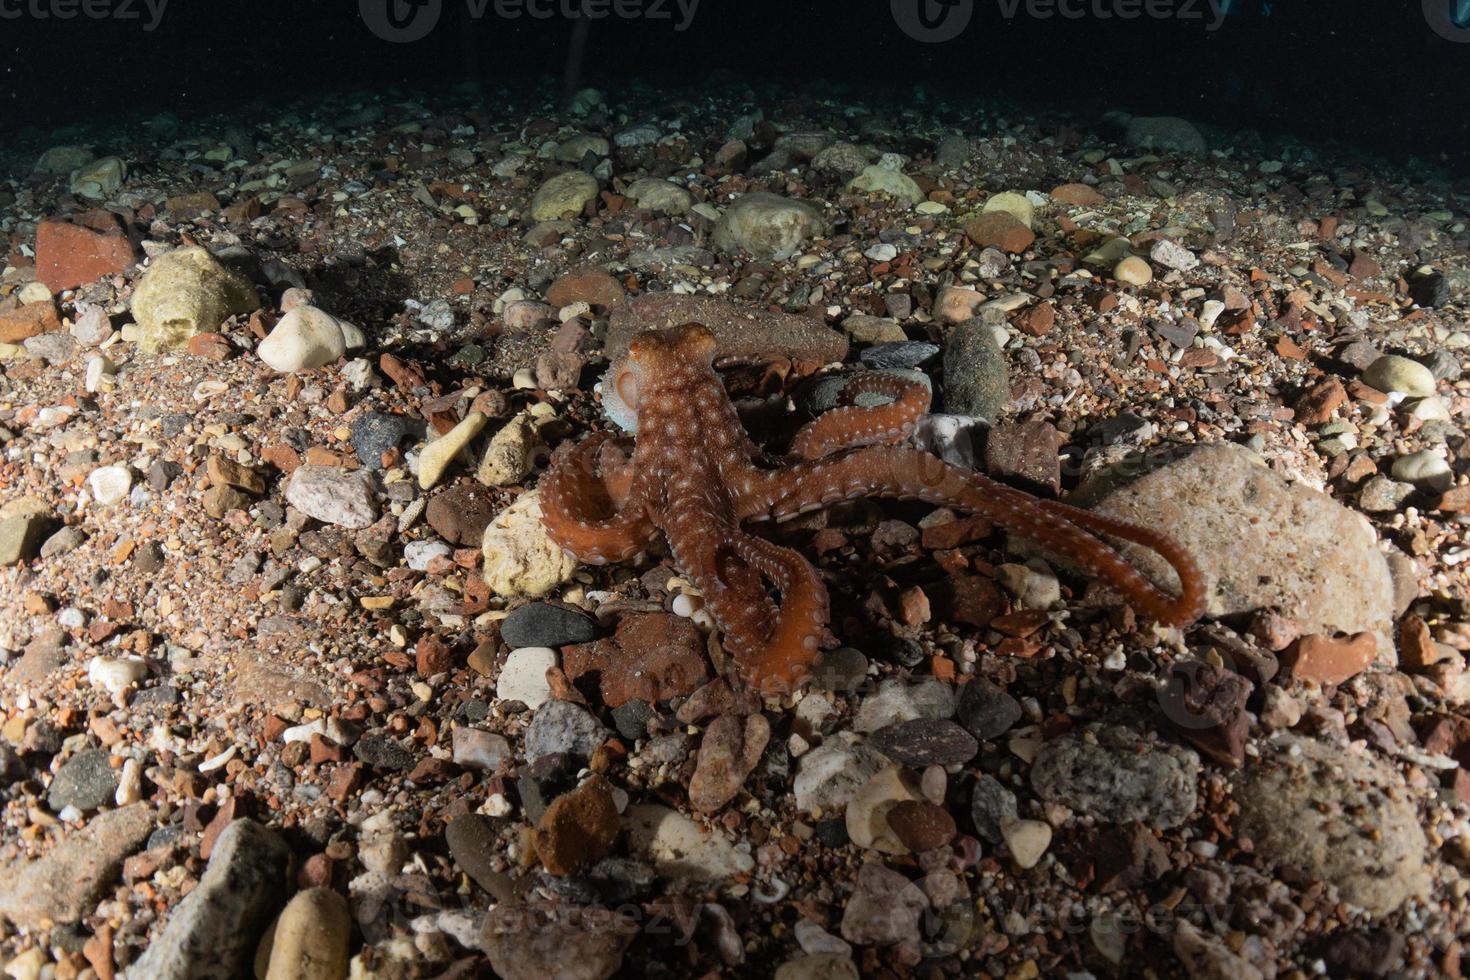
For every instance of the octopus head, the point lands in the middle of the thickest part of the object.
(658, 364)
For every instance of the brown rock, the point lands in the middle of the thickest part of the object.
(956, 304)
(460, 514)
(1037, 321)
(1129, 857)
(920, 825)
(220, 500)
(1456, 501)
(1330, 661)
(1363, 266)
(1320, 401)
(593, 287)
(225, 472)
(1028, 450)
(1081, 195)
(30, 320)
(577, 829)
(186, 207)
(432, 656)
(212, 346)
(1417, 649)
(559, 370)
(651, 657)
(1207, 706)
(969, 600)
(74, 253)
(1000, 229)
(729, 752)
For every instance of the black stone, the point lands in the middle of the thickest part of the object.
(986, 710)
(374, 433)
(925, 742)
(547, 624)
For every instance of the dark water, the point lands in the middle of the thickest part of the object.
(1372, 74)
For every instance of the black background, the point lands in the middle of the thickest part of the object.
(1366, 71)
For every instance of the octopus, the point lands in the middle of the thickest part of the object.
(695, 476)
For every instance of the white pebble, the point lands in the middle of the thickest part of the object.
(523, 678)
(115, 676)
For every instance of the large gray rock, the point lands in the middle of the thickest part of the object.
(767, 226)
(976, 381)
(66, 883)
(1261, 543)
(1117, 776)
(213, 932)
(1336, 815)
(526, 943)
(1166, 133)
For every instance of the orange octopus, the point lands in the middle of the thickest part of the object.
(696, 476)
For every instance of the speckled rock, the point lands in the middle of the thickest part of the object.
(1338, 815)
(1113, 774)
(65, 883)
(1261, 543)
(564, 194)
(333, 495)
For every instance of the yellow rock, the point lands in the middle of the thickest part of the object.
(1014, 204)
(437, 455)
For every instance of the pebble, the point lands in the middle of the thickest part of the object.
(767, 226)
(866, 814)
(577, 829)
(987, 711)
(990, 805)
(479, 750)
(921, 825)
(829, 775)
(1017, 205)
(510, 455)
(819, 966)
(213, 931)
(1172, 255)
(563, 728)
(898, 356)
(333, 495)
(472, 841)
(1380, 495)
(1117, 779)
(843, 669)
(310, 938)
(523, 678)
(878, 179)
(524, 942)
(419, 555)
(86, 781)
(884, 909)
(1166, 133)
(976, 379)
(1133, 271)
(21, 536)
(438, 455)
(307, 338)
(116, 675)
(679, 848)
(1001, 230)
(925, 741)
(92, 327)
(110, 484)
(896, 701)
(1391, 373)
(520, 559)
(1325, 660)
(1027, 840)
(728, 754)
(1426, 468)
(547, 624)
(660, 196)
(1225, 507)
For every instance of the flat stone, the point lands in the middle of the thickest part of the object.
(333, 495)
(86, 781)
(925, 742)
(728, 754)
(987, 711)
(213, 931)
(767, 226)
(65, 884)
(1119, 777)
(526, 942)
(577, 829)
(547, 624)
(884, 908)
(741, 332)
(563, 728)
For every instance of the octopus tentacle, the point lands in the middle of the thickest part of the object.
(852, 426)
(593, 515)
(909, 473)
(779, 654)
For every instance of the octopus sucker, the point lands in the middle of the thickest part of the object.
(696, 477)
